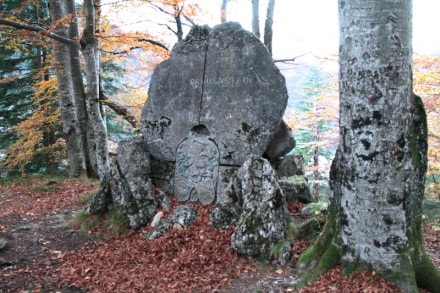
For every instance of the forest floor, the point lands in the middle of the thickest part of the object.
(45, 250)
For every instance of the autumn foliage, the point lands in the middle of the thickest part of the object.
(39, 136)
(426, 76)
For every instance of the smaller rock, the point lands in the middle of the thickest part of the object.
(3, 243)
(156, 219)
(264, 216)
(159, 230)
(290, 165)
(309, 229)
(127, 188)
(315, 208)
(281, 143)
(164, 201)
(296, 188)
(183, 215)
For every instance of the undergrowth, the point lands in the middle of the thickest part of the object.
(114, 221)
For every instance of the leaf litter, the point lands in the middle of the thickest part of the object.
(46, 252)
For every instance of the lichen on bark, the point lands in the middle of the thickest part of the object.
(377, 177)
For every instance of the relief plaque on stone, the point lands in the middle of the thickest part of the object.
(196, 173)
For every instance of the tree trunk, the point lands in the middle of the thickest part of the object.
(179, 31)
(377, 177)
(268, 32)
(223, 14)
(63, 68)
(89, 46)
(256, 18)
(315, 192)
(79, 94)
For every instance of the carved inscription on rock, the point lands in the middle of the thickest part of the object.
(196, 173)
(223, 78)
(223, 81)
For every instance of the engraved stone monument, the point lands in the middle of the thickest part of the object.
(197, 162)
(216, 101)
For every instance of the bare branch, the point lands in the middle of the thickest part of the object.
(122, 111)
(34, 28)
(289, 59)
(189, 20)
(154, 43)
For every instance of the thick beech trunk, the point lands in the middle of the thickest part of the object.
(79, 94)
(69, 116)
(377, 177)
(89, 48)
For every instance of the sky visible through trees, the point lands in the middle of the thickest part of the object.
(299, 26)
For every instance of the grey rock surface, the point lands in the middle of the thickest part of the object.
(197, 167)
(281, 143)
(257, 206)
(290, 165)
(296, 188)
(222, 78)
(182, 216)
(127, 187)
(229, 203)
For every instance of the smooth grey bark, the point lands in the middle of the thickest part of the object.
(377, 178)
(256, 18)
(80, 151)
(69, 116)
(223, 15)
(315, 184)
(89, 47)
(268, 31)
(79, 96)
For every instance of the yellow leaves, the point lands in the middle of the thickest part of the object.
(33, 132)
(65, 21)
(134, 99)
(426, 76)
(46, 89)
(11, 40)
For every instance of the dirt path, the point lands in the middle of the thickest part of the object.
(35, 245)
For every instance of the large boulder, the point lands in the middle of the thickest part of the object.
(223, 78)
(127, 187)
(220, 92)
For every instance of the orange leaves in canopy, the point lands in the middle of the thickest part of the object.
(119, 45)
(32, 133)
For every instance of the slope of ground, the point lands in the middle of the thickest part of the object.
(46, 252)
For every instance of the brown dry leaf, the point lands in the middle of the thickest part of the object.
(279, 271)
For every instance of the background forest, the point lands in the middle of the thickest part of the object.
(133, 37)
